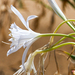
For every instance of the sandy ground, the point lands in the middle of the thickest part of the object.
(10, 64)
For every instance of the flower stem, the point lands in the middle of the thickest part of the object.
(63, 39)
(55, 47)
(52, 38)
(57, 34)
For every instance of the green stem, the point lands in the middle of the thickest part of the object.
(51, 39)
(71, 26)
(63, 39)
(56, 34)
(62, 24)
(55, 47)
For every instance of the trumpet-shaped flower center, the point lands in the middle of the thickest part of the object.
(20, 36)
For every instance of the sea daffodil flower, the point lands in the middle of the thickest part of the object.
(59, 12)
(20, 37)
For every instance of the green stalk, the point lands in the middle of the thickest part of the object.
(62, 24)
(56, 34)
(55, 47)
(51, 39)
(63, 39)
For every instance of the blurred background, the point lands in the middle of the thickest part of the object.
(46, 22)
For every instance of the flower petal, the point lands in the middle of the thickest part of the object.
(14, 49)
(15, 26)
(24, 55)
(29, 18)
(18, 14)
(26, 24)
(57, 9)
(25, 52)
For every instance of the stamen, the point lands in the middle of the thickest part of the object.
(6, 43)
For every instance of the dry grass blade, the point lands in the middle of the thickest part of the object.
(72, 4)
(41, 65)
(56, 62)
(43, 4)
(71, 52)
(48, 60)
(64, 4)
(61, 52)
(52, 21)
(20, 4)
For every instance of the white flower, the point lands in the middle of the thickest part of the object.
(29, 66)
(20, 37)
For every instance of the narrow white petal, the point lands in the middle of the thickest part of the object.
(11, 39)
(57, 9)
(9, 51)
(24, 55)
(18, 14)
(14, 43)
(25, 52)
(15, 26)
(14, 49)
(26, 24)
(59, 12)
(29, 18)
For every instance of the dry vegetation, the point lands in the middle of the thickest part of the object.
(46, 22)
